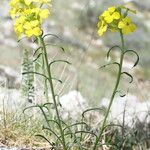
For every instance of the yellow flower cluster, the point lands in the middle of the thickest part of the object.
(29, 15)
(114, 20)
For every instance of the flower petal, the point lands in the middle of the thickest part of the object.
(116, 15)
(111, 9)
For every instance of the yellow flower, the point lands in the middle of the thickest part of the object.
(13, 13)
(35, 31)
(18, 25)
(115, 19)
(13, 2)
(126, 25)
(102, 28)
(111, 14)
(28, 15)
(31, 24)
(111, 9)
(28, 2)
(44, 13)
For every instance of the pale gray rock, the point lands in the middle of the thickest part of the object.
(9, 77)
(72, 105)
(133, 107)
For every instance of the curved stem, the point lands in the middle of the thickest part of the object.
(114, 91)
(53, 92)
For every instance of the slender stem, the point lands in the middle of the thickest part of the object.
(45, 81)
(114, 92)
(53, 92)
(44, 72)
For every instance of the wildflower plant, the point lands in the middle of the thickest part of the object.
(116, 19)
(28, 16)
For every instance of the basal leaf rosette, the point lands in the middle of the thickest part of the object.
(28, 16)
(116, 19)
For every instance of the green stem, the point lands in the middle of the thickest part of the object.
(53, 92)
(45, 82)
(44, 72)
(114, 92)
